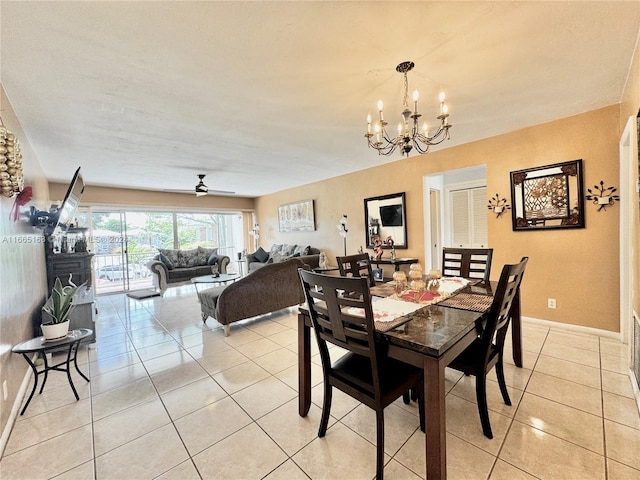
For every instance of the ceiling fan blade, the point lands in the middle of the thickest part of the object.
(210, 191)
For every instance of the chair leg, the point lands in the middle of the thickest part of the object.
(380, 445)
(502, 383)
(481, 398)
(420, 389)
(406, 397)
(326, 409)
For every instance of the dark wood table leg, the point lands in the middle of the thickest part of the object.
(435, 415)
(516, 330)
(304, 366)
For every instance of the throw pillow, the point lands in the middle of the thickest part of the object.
(276, 247)
(261, 255)
(300, 250)
(166, 261)
(287, 249)
(172, 255)
(278, 257)
(188, 258)
(206, 255)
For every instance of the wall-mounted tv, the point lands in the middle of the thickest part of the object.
(391, 215)
(59, 218)
(67, 211)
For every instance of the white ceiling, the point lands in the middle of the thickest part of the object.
(263, 96)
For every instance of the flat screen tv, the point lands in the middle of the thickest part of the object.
(67, 210)
(391, 215)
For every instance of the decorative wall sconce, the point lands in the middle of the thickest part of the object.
(602, 196)
(498, 205)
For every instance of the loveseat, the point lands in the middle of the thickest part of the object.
(280, 253)
(175, 266)
(268, 289)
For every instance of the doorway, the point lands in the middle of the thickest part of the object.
(438, 211)
(628, 185)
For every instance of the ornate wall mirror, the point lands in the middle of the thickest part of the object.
(385, 217)
(548, 197)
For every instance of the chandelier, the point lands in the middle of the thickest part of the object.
(409, 134)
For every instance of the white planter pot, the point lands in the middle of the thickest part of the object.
(56, 330)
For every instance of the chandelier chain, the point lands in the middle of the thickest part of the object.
(405, 103)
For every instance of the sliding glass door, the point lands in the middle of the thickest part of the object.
(125, 241)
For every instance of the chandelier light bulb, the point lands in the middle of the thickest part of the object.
(445, 109)
(380, 105)
(416, 95)
(441, 97)
(399, 128)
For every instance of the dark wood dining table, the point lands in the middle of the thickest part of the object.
(430, 338)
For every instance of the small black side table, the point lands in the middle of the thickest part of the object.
(39, 344)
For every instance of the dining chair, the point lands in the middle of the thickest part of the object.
(358, 265)
(486, 351)
(467, 262)
(364, 372)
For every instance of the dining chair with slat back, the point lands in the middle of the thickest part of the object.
(486, 351)
(364, 372)
(358, 265)
(467, 263)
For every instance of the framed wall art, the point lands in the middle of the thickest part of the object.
(548, 197)
(296, 217)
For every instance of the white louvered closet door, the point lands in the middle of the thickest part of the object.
(469, 218)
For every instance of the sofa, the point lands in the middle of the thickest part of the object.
(268, 289)
(176, 266)
(280, 253)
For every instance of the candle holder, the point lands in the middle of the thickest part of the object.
(433, 284)
(400, 279)
(415, 274)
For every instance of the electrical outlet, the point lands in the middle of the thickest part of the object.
(5, 390)
(551, 303)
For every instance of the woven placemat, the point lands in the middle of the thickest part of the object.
(386, 326)
(468, 301)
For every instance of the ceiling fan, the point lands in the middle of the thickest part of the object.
(201, 189)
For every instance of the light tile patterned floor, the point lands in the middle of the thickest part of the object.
(172, 398)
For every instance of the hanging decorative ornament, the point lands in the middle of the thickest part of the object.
(11, 176)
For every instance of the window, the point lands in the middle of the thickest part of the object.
(124, 241)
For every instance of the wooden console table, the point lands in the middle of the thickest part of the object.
(396, 263)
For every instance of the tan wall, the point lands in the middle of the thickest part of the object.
(143, 198)
(23, 279)
(577, 267)
(629, 107)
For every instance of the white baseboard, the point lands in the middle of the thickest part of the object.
(572, 328)
(17, 403)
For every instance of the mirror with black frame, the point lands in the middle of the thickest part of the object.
(386, 217)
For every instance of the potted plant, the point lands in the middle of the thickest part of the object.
(56, 310)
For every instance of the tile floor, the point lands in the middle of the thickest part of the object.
(173, 398)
